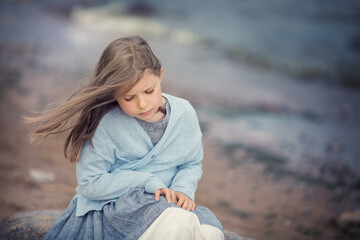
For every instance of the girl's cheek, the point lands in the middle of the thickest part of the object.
(126, 107)
(131, 109)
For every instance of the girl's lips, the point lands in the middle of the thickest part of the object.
(145, 113)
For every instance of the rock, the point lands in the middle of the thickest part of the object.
(349, 222)
(233, 236)
(350, 218)
(33, 225)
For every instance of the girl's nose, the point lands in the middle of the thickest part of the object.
(141, 103)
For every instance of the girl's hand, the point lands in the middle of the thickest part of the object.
(168, 193)
(184, 201)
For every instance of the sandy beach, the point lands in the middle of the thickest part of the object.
(281, 154)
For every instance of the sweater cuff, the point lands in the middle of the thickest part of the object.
(153, 184)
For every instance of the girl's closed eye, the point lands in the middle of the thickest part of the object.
(149, 91)
(128, 99)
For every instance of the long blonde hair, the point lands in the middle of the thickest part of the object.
(120, 67)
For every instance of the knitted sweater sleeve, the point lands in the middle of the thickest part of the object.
(190, 171)
(188, 175)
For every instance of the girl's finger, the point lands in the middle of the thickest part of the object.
(180, 202)
(190, 207)
(168, 195)
(186, 204)
(157, 194)
(194, 205)
(173, 196)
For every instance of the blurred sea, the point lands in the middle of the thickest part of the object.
(312, 39)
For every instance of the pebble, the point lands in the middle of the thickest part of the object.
(306, 211)
(349, 218)
(287, 223)
(41, 176)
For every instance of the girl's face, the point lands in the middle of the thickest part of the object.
(144, 99)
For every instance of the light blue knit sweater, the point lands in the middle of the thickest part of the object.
(123, 157)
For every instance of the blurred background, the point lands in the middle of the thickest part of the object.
(276, 85)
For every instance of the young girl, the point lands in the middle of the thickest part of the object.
(138, 154)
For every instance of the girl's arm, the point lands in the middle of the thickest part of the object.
(189, 173)
(96, 182)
